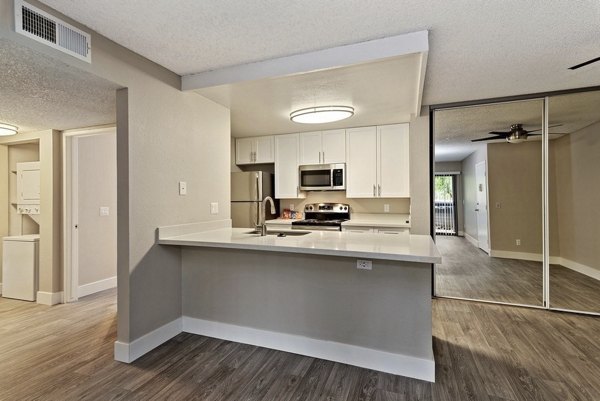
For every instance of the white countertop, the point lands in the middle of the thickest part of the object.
(377, 220)
(409, 248)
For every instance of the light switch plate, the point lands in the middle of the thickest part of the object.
(214, 208)
(386, 208)
(364, 264)
(104, 211)
(182, 188)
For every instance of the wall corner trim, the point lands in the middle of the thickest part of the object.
(398, 364)
(49, 298)
(129, 352)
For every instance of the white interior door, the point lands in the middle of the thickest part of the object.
(482, 207)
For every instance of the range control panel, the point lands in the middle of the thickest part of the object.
(327, 207)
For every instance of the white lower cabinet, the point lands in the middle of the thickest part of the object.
(357, 229)
(395, 230)
(286, 167)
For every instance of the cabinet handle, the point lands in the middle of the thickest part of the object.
(320, 160)
(379, 189)
(323, 156)
(374, 194)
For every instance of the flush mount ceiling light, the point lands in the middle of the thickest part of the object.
(7, 129)
(322, 114)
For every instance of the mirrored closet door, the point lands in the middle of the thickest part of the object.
(574, 201)
(489, 169)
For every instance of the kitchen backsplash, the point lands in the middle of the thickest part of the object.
(401, 205)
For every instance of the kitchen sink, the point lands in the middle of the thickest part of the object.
(282, 233)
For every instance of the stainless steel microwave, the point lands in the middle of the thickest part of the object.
(323, 177)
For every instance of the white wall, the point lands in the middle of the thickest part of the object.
(97, 187)
(470, 189)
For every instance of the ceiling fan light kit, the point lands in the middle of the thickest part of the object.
(321, 114)
(7, 129)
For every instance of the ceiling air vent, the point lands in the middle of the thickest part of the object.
(43, 27)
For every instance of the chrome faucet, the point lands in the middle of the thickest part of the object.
(261, 224)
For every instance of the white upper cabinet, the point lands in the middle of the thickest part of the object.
(254, 150)
(361, 162)
(323, 147)
(377, 162)
(334, 146)
(286, 167)
(394, 166)
(310, 148)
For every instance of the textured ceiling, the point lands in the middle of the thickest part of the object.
(39, 92)
(454, 128)
(478, 49)
(382, 93)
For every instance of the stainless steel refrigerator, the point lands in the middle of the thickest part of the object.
(247, 192)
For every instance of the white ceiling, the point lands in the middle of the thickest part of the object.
(455, 128)
(39, 92)
(381, 93)
(478, 49)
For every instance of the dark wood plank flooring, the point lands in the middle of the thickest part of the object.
(468, 272)
(483, 352)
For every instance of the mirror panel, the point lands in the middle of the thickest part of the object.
(574, 201)
(494, 252)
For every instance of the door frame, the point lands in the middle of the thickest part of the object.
(487, 209)
(70, 206)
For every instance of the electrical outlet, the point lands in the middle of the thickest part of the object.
(214, 208)
(182, 188)
(518, 242)
(386, 208)
(292, 206)
(364, 264)
(498, 205)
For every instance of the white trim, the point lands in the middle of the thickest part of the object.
(578, 267)
(486, 301)
(398, 364)
(0, 288)
(461, 234)
(129, 352)
(393, 46)
(97, 286)
(190, 228)
(534, 257)
(49, 298)
(472, 240)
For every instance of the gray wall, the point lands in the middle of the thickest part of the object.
(97, 187)
(163, 136)
(387, 308)
(470, 190)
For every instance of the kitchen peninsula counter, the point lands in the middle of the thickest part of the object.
(306, 294)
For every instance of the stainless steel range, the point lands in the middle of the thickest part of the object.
(323, 217)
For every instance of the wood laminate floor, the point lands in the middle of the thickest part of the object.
(468, 272)
(483, 353)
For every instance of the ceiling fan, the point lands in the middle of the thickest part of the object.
(516, 134)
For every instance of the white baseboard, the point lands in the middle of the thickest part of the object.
(129, 352)
(534, 257)
(49, 298)
(578, 267)
(472, 240)
(97, 286)
(461, 233)
(0, 288)
(398, 364)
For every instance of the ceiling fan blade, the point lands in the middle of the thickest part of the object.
(539, 129)
(499, 133)
(489, 139)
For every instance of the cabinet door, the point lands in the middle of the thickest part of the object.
(361, 162)
(310, 148)
(334, 146)
(393, 168)
(244, 151)
(286, 167)
(263, 148)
